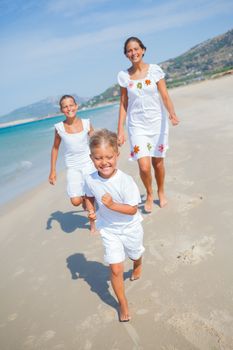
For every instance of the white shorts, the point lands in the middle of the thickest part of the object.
(148, 146)
(75, 180)
(128, 242)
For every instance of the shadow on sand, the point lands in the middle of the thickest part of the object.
(95, 274)
(69, 221)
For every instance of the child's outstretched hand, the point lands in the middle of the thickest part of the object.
(107, 200)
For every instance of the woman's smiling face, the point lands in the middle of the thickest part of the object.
(134, 52)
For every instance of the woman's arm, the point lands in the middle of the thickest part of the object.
(122, 115)
(54, 155)
(119, 207)
(161, 84)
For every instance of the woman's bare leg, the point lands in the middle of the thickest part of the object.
(137, 269)
(159, 170)
(145, 174)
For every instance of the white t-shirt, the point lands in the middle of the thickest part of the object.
(77, 152)
(146, 114)
(123, 190)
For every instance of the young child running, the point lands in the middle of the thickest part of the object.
(118, 219)
(74, 132)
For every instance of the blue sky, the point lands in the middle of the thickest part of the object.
(53, 47)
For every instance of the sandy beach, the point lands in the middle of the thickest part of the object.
(55, 291)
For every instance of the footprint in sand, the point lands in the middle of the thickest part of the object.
(201, 332)
(19, 271)
(184, 203)
(12, 317)
(198, 251)
(142, 312)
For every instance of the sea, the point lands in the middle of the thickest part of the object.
(26, 148)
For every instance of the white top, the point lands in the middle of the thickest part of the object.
(146, 114)
(123, 190)
(77, 152)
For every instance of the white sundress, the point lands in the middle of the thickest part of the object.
(77, 157)
(146, 121)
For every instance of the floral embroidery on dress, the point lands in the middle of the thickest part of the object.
(136, 149)
(149, 146)
(131, 84)
(147, 81)
(132, 154)
(139, 85)
(161, 148)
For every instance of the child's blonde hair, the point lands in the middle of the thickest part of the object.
(103, 136)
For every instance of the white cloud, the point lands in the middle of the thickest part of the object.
(143, 22)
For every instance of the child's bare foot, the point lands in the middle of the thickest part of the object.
(149, 203)
(124, 312)
(137, 270)
(162, 199)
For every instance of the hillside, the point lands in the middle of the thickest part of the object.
(199, 63)
(203, 61)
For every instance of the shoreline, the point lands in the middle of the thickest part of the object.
(31, 120)
(108, 104)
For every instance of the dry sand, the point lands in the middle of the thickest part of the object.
(55, 291)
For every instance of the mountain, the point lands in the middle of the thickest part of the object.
(48, 106)
(203, 61)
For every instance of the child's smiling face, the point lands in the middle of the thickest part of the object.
(69, 107)
(104, 158)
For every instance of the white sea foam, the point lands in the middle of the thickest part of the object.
(25, 164)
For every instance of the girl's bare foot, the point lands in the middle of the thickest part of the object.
(124, 312)
(149, 203)
(137, 270)
(162, 199)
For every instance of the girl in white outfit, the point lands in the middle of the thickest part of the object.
(118, 219)
(74, 132)
(142, 85)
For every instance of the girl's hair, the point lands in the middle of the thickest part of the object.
(133, 38)
(103, 137)
(64, 97)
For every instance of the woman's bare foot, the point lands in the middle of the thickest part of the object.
(137, 270)
(149, 203)
(162, 199)
(124, 312)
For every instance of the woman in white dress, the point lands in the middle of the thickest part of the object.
(143, 97)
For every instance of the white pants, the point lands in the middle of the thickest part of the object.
(76, 179)
(127, 242)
